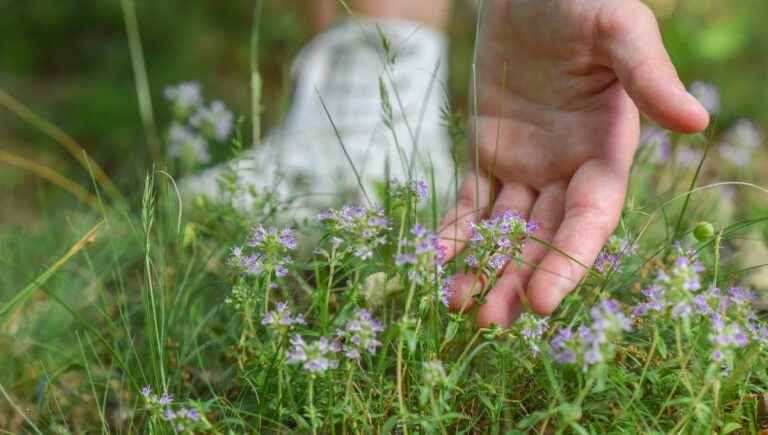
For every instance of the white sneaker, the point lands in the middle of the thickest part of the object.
(343, 68)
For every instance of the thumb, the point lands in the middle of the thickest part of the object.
(628, 35)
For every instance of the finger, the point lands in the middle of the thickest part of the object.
(472, 204)
(592, 210)
(504, 300)
(516, 197)
(464, 287)
(502, 304)
(628, 34)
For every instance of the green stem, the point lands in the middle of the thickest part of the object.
(312, 411)
(401, 369)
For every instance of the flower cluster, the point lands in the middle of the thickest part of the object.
(726, 337)
(315, 357)
(183, 140)
(498, 240)
(214, 122)
(740, 142)
(531, 328)
(154, 401)
(416, 189)
(182, 418)
(591, 344)
(422, 256)
(185, 98)
(609, 259)
(729, 315)
(674, 288)
(359, 335)
(731, 318)
(355, 229)
(281, 319)
(266, 251)
(195, 125)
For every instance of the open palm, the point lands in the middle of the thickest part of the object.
(559, 84)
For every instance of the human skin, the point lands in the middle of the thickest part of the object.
(556, 136)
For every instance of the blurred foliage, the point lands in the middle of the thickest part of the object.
(69, 61)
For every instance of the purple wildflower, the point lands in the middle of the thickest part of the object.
(562, 346)
(594, 343)
(185, 98)
(315, 357)
(281, 318)
(684, 274)
(268, 248)
(531, 329)
(421, 257)
(356, 230)
(496, 241)
(446, 291)
(609, 258)
(607, 317)
(498, 261)
(726, 337)
(165, 399)
(418, 189)
(216, 121)
(405, 258)
(185, 143)
(359, 334)
(471, 261)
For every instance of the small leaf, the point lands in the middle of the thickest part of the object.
(730, 427)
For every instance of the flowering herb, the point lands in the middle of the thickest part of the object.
(531, 328)
(417, 190)
(610, 257)
(185, 98)
(356, 230)
(495, 242)
(265, 252)
(358, 335)
(187, 144)
(281, 319)
(214, 122)
(422, 257)
(315, 357)
(182, 417)
(592, 344)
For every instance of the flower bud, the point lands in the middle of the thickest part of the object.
(704, 231)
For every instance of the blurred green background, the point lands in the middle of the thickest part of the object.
(69, 61)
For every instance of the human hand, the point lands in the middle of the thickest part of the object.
(559, 84)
